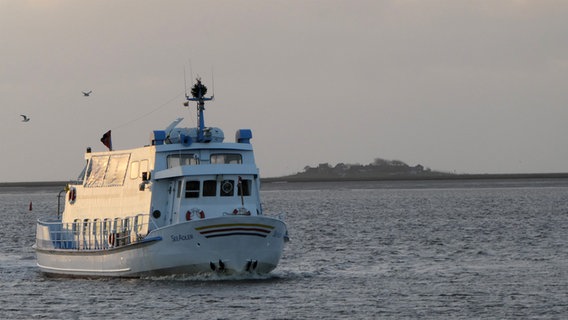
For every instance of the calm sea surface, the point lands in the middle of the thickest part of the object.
(358, 250)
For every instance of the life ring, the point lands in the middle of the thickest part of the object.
(194, 212)
(227, 187)
(241, 211)
(112, 239)
(72, 195)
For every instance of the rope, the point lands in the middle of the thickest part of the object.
(148, 113)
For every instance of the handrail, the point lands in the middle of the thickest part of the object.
(59, 203)
(89, 235)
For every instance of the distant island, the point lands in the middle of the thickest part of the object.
(381, 169)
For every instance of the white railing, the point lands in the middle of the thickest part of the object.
(91, 235)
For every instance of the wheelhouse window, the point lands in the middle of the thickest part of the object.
(209, 188)
(244, 187)
(184, 159)
(192, 189)
(227, 188)
(226, 158)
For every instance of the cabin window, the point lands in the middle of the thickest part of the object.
(134, 170)
(96, 226)
(227, 188)
(107, 171)
(209, 188)
(97, 233)
(126, 223)
(192, 189)
(86, 233)
(117, 225)
(107, 226)
(116, 170)
(96, 171)
(86, 224)
(126, 229)
(185, 159)
(138, 221)
(226, 158)
(244, 187)
(137, 168)
(75, 226)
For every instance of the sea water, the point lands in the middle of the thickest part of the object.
(495, 249)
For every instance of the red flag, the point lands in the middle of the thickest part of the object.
(106, 140)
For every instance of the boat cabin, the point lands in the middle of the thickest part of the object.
(170, 181)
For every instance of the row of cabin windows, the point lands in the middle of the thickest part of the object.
(186, 159)
(110, 170)
(212, 188)
(137, 168)
(105, 234)
(108, 225)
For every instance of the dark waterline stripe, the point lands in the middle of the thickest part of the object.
(236, 234)
(235, 229)
(235, 225)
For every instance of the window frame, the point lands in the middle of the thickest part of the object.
(246, 186)
(226, 158)
(209, 188)
(192, 189)
(224, 192)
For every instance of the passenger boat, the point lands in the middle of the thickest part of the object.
(187, 203)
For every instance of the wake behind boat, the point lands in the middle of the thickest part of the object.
(188, 203)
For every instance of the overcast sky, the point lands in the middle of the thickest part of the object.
(459, 86)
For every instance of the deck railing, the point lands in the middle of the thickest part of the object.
(91, 235)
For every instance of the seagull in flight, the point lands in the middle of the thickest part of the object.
(86, 94)
(25, 118)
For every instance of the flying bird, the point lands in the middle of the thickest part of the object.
(86, 94)
(25, 118)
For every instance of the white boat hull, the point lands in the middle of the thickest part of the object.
(230, 244)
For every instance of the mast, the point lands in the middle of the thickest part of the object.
(198, 92)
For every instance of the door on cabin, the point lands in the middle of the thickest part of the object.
(176, 194)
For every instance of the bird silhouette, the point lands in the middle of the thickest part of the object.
(25, 118)
(86, 94)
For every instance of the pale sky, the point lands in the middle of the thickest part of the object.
(458, 86)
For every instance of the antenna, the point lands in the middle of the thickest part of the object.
(198, 92)
(184, 81)
(212, 84)
(190, 70)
